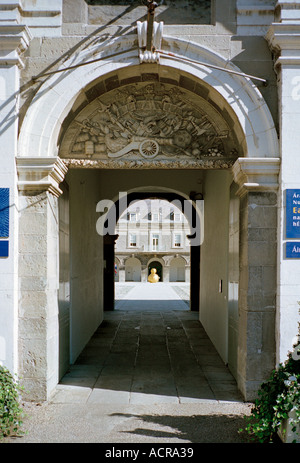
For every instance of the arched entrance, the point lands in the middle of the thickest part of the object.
(193, 231)
(228, 136)
(158, 267)
(132, 269)
(177, 269)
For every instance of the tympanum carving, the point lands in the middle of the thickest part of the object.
(148, 122)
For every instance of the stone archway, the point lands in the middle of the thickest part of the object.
(57, 96)
(192, 209)
(133, 269)
(245, 143)
(177, 269)
(158, 265)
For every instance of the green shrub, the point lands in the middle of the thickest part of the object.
(11, 413)
(277, 397)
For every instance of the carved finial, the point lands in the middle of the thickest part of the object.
(151, 5)
(149, 35)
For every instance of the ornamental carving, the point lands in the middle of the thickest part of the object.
(150, 122)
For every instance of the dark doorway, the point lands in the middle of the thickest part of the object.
(159, 269)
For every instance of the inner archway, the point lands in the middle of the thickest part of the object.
(132, 269)
(142, 234)
(158, 269)
(149, 234)
(177, 269)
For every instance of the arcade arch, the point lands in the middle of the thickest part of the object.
(177, 269)
(158, 264)
(192, 227)
(133, 268)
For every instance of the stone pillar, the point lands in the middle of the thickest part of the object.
(166, 273)
(257, 181)
(195, 277)
(284, 40)
(39, 274)
(121, 274)
(14, 39)
(144, 273)
(187, 273)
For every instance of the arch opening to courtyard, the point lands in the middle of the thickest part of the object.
(153, 232)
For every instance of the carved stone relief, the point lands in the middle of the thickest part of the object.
(152, 123)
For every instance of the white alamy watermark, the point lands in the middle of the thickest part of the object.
(296, 88)
(191, 210)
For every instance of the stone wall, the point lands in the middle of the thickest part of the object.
(86, 266)
(257, 289)
(38, 297)
(214, 257)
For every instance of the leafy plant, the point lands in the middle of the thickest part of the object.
(277, 397)
(11, 413)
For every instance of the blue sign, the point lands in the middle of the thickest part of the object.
(293, 213)
(3, 248)
(293, 250)
(4, 212)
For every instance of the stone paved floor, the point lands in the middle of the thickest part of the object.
(150, 350)
(148, 375)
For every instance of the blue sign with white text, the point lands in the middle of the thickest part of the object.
(293, 250)
(293, 213)
(4, 212)
(4, 248)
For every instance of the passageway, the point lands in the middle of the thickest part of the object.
(148, 352)
(91, 277)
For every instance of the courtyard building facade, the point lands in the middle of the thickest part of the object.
(195, 102)
(152, 234)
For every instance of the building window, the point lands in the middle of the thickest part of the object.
(155, 242)
(132, 217)
(153, 216)
(132, 240)
(175, 216)
(177, 240)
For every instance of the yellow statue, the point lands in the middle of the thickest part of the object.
(153, 277)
